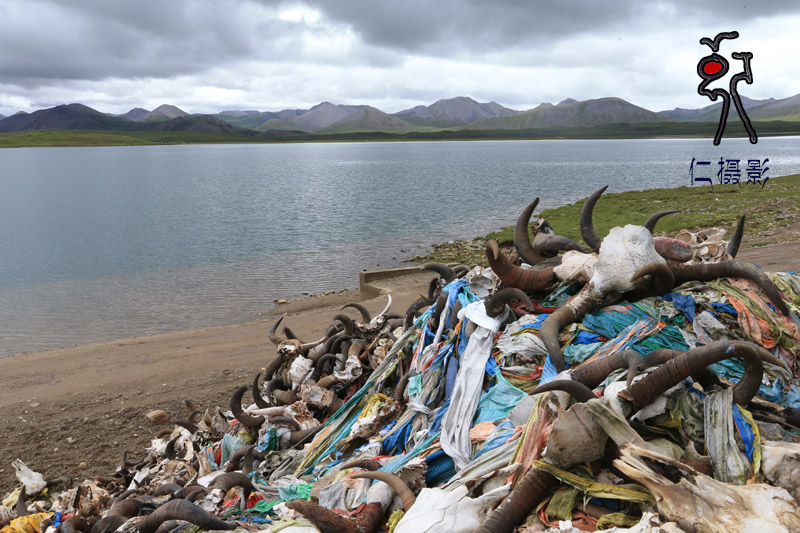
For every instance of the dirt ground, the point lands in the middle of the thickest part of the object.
(74, 411)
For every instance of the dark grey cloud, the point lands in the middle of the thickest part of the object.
(448, 27)
(209, 55)
(445, 27)
(98, 39)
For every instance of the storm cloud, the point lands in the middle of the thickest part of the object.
(206, 56)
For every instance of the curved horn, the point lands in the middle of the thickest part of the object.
(336, 345)
(327, 382)
(367, 464)
(272, 367)
(290, 335)
(72, 524)
(454, 313)
(552, 244)
(236, 457)
(110, 522)
(724, 269)
(587, 226)
(663, 282)
(285, 397)
(654, 358)
(365, 317)
(127, 463)
(272, 336)
(530, 280)
(443, 270)
(736, 239)
(569, 313)
(367, 521)
(647, 389)
(461, 270)
(247, 461)
(496, 303)
(522, 241)
(233, 479)
(251, 422)
(347, 325)
(185, 424)
(594, 372)
(269, 389)
(162, 490)
(440, 303)
(22, 503)
(400, 388)
(433, 286)
(285, 420)
(256, 390)
(655, 217)
(397, 484)
(388, 305)
(579, 305)
(296, 437)
(319, 366)
(182, 510)
(195, 493)
(524, 498)
(411, 312)
(579, 392)
(169, 451)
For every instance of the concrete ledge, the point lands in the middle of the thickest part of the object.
(366, 277)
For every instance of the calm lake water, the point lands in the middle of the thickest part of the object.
(105, 243)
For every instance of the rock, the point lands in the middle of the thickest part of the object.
(281, 301)
(83, 465)
(157, 417)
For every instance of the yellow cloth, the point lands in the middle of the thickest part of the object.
(26, 524)
(395, 517)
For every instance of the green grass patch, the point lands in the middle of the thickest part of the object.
(769, 211)
(50, 138)
(140, 132)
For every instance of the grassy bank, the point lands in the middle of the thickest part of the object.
(44, 138)
(773, 215)
(50, 138)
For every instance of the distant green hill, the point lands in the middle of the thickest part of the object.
(787, 109)
(371, 119)
(572, 114)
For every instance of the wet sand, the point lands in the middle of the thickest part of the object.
(88, 403)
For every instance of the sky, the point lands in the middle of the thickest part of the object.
(206, 56)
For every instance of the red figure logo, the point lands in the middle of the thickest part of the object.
(714, 67)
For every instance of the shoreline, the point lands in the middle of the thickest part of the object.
(771, 258)
(104, 138)
(74, 411)
(87, 404)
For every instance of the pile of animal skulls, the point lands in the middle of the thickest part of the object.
(357, 430)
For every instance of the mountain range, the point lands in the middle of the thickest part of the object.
(459, 113)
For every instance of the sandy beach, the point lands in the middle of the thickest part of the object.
(87, 404)
(73, 411)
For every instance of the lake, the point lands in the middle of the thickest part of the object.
(102, 243)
